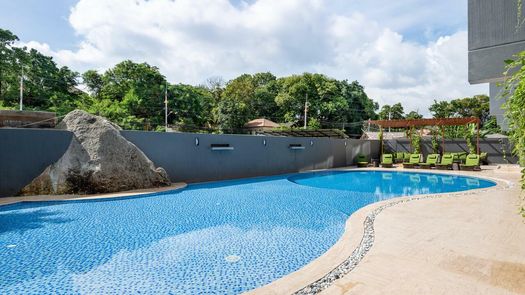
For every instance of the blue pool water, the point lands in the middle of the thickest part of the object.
(214, 238)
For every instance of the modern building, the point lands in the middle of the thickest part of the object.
(495, 34)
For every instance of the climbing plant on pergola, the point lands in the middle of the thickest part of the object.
(429, 122)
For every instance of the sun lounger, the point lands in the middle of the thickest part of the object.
(413, 162)
(399, 157)
(483, 158)
(471, 163)
(387, 161)
(362, 161)
(432, 160)
(446, 162)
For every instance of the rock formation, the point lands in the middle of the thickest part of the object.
(98, 160)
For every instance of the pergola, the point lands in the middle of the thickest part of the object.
(332, 133)
(430, 122)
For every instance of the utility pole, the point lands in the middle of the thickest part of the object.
(305, 110)
(22, 90)
(166, 107)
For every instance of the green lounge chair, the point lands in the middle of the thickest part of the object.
(387, 161)
(484, 158)
(413, 162)
(361, 161)
(432, 160)
(456, 157)
(471, 163)
(459, 157)
(406, 157)
(462, 157)
(399, 156)
(446, 162)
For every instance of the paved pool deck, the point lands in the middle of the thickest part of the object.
(459, 243)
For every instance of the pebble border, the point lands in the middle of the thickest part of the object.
(369, 236)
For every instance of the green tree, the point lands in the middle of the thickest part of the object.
(394, 112)
(93, 81)
(441, 109)
(476, 106)
(245, 98)
(135, 92)
(46, 86)
(416, 141)
(361, 107)
(413, 115)
(514, 105)
(333, 103)
(314, 124)
(294, 91)
(190, 107)
(7, 38)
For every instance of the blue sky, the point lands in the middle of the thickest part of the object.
(47, 21)
(40, 20)
(411, 50)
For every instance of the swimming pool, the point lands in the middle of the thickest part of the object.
(213, 238)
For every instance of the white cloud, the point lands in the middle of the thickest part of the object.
(193, 40)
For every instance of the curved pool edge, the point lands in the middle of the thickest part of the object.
(352, 247)
(7, 201)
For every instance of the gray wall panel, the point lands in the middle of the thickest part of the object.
(177, 153)
(488, 64)
(25, 153)
(493, 37)
(493, 22)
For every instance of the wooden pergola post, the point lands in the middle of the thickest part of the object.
(411, 147)
(477, 139)
(442, 140)
(382, 140)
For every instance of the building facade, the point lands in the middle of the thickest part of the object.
(495, 34)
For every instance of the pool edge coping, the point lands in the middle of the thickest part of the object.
(7, 201)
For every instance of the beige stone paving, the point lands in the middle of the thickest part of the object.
(11, 200)
(467, 244)
(453, 245)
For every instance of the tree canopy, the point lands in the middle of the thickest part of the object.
(46, 86)
(392, 112)
(476, 106)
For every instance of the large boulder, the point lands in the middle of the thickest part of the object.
(98, 160)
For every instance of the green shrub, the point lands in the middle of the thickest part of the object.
(514, 93)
